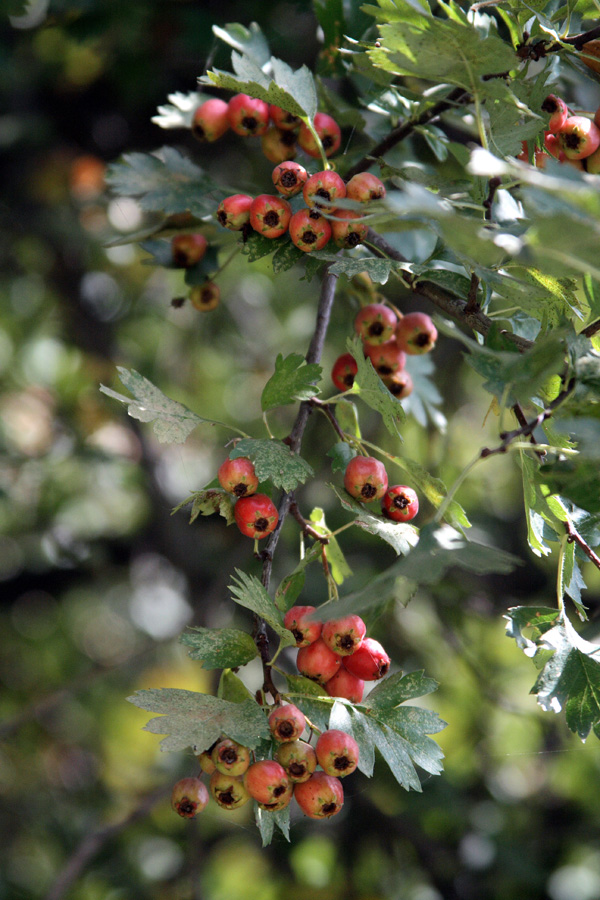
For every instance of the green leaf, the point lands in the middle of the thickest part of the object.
(192, 719)
(266, 820)
(249, 592)
(275, 461)
(207, 502)
(399, 535)
(294, 379)
(286, 256)
(432, 488)
(291, 586)
(347, 416)
(164, 181)
(341, 454)
(425, 399)
(395, 689)
(377, 269)
(219, 648)
(232, 688)
(577, 479)
(369, 386)
(335, 556)
(292, 91)
(299, 685)
(250, 41)
(173, 421)
(257, 245)
(179, 112)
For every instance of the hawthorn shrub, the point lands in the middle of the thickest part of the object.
(507, 210)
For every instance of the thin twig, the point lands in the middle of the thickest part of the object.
(520, 416)
(590, 330)
(576, 537)
(306, 526)
(472, 302)
(509, 436)
(327, 410)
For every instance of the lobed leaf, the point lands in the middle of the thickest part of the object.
(219, 648)
(249, 592)
(293, 380)
(370, 388)
(275, 461)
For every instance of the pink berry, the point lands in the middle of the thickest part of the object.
(344, 371)
(552, 145)
(256, 516)
(345, 684)
(189, 797)
(237, 476)
(400, 384)
(365, 478)
(329, 133)
(281, 801)
(321, 797)
(346, 229)
(289, 178)
(375, 323)
(283, 119)
(231, 758)
(266, 780)
(400, 503)
(234, 212)
(301, 622)
(344, 635)
(206, 296)
(323, 186)
(365, 187)
(387, 359)
(318, 662)
(579, 137)
(278, 146)
(188, 249)
(370, 662)
(298, 759)
(416, 333)
(210, 120)
(228, 790)
(557, 109)
(337, 753)
(309, 231)
(287, 723)
(270, 215)
(248, 116)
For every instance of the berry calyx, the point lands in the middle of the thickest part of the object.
(346, 229)
(230, 757)
(289, 178)
(365, 187)
(318, 662)
(344, 635)
(375, 323)
(324, 187)
(306, 629)
(400, 384)
(282, 800)
(189, 797)
(237, 476)
(329, 133)
(210, 121)
(277, 145)
(344, 372)
(187, 249)
(228, 790)
(287, 723)
(256, 516)
(365, 478)
(387, 359)
(266, 781)
(248, 116)
(345, 684)
(558, 112)
(234, 211)
(337, 753)
(400, 503)
(370, 662)
(416, 333)
(309, 231)
(270, 215)
(321, 797)
(299, 760)
(205, 297)
(579, 137)
(283, 119)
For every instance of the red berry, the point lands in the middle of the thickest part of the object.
(370, 662)
(323, 186)
(289, 178)
(205, 296)
(344, 635)
(229, 757)
(284, 119)
(364, 187)
(256, 516)
(298, 759)
(189, 797)
(400, 503)
(400, 384)
(345, 684)
(329, 133)
(305, 628)
(365, 478)
(248, 116)
(278, 146)
(579, 137)
(237, 476)
(318, 662)
(234, 212)
(387, 358)
(337, 753)
(375, 323)
(188, 249)
(347, 230)
(321, 797)
(344, 371)
(416, 333)
(282, 800)
(228, 790)
(287, 723)
(557, 108)
(309, 230)
(266, 780)
(210, 120)
(270, 215)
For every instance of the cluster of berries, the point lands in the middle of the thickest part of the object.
(250, 117)
(570, 139)
(255, 514)
(387, 338)
(336, 653)
(314, 225)
(366, 479)
(292, 772)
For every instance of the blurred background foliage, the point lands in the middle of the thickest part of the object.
(98, 579)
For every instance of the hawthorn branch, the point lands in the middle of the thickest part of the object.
(574, 536)
(540, 49)
(590, 330)
(529, 427)
(306, 526)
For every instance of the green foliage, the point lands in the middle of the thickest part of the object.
(293, 380)
(399, 535)
(373, 392)
(274, 460)
(219, 648)
(207, 502)
(249, 592)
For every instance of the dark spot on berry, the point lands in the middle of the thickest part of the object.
(180, 259)
(177, 302)
(228, 755)
(342, 763)
(288, 179)
(375, 329)
(396, 387)
(400, 501)
(298, 635)
(206, 295)
(226, 798)
(269, 805)
(376, 194)
(314, 213)
(279, 790)
(240, 489)
(285, 729)
(572, 141)
(550, 105)
(271, 218)
(353, 239)
(291, 119)
(287, 138)
(384, 370)
(348, 379)
(383, 669)
(327, 142)
(250, 123)
(309, 237)
(297, 769)
(368, 491)
(323, 193)
(222, 217)
(261, 524)
(186, 807)
(347, 642)
(328, 809)
(422, 340)
(198, 132)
